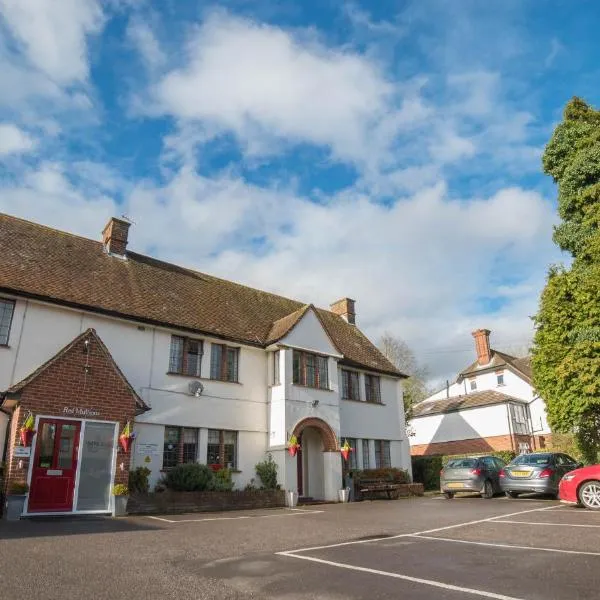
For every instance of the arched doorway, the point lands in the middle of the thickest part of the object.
(316, 437)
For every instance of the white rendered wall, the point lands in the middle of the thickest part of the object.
(309, 334)
(482, 422)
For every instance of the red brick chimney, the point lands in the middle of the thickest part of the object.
(345, 308)
(482, 346)
(114, 236)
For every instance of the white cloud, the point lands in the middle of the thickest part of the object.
(260, 81)
(54, 34)
(14, 141)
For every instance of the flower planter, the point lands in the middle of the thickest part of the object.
(14, 507)
(344, 495)
(26, 436)
(345, 454)
(293, 450)
(291, 499)
(121, 506)
(125, 442)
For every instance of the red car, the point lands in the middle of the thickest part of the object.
(581, 486)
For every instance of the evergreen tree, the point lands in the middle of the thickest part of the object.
(566, 351)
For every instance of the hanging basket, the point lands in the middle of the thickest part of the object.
(293, 450)
(346, 449)
(26, 436)
(127, 436)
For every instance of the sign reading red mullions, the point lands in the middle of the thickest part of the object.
(52, 485)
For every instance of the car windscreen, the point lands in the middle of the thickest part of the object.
(461, 463)
(532, 459)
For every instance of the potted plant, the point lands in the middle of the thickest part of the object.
(15, 500)
(27, 432)
(293, 445)
(121, 494)
(127, 436)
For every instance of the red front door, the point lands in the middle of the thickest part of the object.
(54, 466)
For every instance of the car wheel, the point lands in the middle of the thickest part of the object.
(589, 495)
(488, 490)
(448, 495)
(512, 495)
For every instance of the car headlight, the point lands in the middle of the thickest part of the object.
(568, 477)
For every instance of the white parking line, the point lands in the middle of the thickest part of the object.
(401, 535)
(430, 582)
(550, 524)
(296, 512)
(508, 546)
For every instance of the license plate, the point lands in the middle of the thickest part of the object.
(455, 484)
(520, 473)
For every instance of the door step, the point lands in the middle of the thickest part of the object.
(309, 501)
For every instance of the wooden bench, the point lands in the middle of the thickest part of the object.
(370, 487)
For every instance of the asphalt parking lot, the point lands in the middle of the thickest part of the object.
(524, 549)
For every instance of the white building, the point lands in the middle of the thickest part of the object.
(491, 405)
(229, 373)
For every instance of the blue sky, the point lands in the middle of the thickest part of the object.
(386, 151)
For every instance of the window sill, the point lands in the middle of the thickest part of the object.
(4, 346)
(310, 387)
(364, 402)
(199, 377)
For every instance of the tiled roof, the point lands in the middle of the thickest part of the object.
(47, 264)
(473, 400)
(89, 333)
(501, 360)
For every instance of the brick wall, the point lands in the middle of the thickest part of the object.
(67, 382)
(472, 446)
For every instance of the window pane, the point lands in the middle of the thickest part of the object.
(176, 354)
(473, 384)
(311, 370)
(365, 454)
(322, 372)
(95, 473)
(66, 446)
(352, 460)
(46, 441)
(190, 445)
(171, 448)
(193, 358)
(213, 436)
(296, 367)
(372, 388)
(387, 459)
(216, 359)
(232, 364)
(276, 367)
(6, 312)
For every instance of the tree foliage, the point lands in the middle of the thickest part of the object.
(566, 351)
(402, 357)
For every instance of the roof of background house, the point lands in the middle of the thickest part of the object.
(46, 264)
(89, 333)
(456, 403)
(499, 360)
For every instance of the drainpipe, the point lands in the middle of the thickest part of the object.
(10, 415)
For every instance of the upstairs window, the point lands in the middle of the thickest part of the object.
(310, 370)
(185, 357)
(473, 384)
(372, 389)
(500, 378)
(350, 385)
(224, 363)
(7, 308)
(276, 367)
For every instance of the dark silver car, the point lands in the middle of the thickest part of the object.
(538, 472)
(473, 474)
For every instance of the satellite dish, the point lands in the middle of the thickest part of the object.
(195, 388)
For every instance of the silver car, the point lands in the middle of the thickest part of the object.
(473, 474)
(538, 472)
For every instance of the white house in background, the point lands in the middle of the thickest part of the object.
(229, 373)
(491, 406)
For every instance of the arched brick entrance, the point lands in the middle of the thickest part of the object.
(330, 443)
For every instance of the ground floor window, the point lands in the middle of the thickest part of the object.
(222, 449)
(365, 454)
(352, 463)
(180, 446)
(382, 454)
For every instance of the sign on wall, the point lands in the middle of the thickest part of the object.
(148, 449)
(22, 451)
(76, 411)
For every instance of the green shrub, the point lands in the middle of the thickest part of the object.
(223, 481)
(138, 480)
(267, 472)
(426, 470)
(385, 473)
(120, 489)
(565, 442)
(191, 477)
